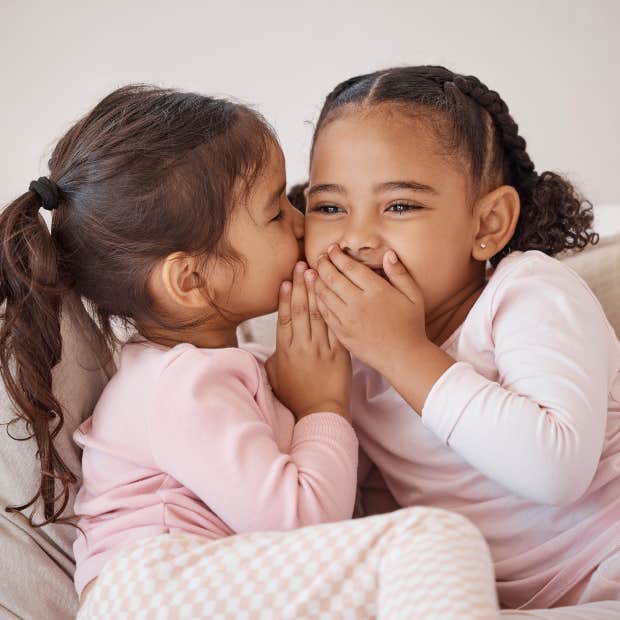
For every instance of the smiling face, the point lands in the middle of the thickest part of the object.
(378, 181)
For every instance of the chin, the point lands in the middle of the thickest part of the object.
(267, 309)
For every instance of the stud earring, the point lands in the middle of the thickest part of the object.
(483, 245)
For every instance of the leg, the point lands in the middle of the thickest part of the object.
(436, 565)
(432, 562)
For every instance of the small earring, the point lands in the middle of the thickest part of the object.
(483, 245)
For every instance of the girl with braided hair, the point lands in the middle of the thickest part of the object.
(492, 392)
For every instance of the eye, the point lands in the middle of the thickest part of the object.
(327, 209)
(402, 207)
(278, 217)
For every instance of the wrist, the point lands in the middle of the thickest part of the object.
(405, 357)
(415, 370)
(327, 407)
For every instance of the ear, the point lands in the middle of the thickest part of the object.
(497, 214)
(178, 282)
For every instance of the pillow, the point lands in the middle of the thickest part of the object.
(38, 565)
(599, 266)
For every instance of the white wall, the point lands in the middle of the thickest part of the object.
(555, 62)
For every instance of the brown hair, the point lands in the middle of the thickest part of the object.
(148, 172)
(475, 122)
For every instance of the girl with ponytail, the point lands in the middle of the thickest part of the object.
(493, 391)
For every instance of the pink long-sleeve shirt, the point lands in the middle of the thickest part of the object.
(521, 435)
(190, 439)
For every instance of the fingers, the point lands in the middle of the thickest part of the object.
(329, 299)
(337, 280)
(299, 304)
(318, 328)
(399, 277)
(284, 328)
(358, 274)
(331, 323)
(332, 339)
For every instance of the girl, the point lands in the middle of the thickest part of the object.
(497, 397)
(170, 213)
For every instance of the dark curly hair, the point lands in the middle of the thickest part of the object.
(474, 122)
(297, 197)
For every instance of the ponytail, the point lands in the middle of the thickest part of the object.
(554, 217)
(30, 343)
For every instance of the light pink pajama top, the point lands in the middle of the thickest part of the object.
(521, 435)
(194, 440)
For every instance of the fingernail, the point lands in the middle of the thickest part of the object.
(320, 257)
(330, 247)
(300, 266)
(392, 257)
(310, 275)
(285, 286)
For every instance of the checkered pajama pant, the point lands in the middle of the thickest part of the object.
(413, 564)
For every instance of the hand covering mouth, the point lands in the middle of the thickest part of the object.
(378, 269)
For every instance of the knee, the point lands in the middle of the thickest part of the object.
(439, 522)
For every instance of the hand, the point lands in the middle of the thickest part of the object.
(310, 370)
(373, 319)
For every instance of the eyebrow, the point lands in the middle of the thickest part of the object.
(380, 187)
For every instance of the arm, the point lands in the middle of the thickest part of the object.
(211, 435)
(539, 428)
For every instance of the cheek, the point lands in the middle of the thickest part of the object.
(316, 239)
(286, 246)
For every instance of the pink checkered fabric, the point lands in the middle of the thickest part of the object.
(413, 564)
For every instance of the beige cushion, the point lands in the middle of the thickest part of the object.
(37, 564)
(599, 266)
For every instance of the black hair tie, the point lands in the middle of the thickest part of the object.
(47, 190)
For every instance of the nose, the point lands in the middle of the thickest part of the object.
(359, 237)
(298, 224)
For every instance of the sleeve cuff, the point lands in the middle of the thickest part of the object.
(327, 425)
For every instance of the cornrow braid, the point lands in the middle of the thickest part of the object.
(554, 217)
(514, 144)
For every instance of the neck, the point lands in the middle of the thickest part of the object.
(200, 336)
(443, 320)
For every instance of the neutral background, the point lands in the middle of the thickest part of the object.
(556, 63)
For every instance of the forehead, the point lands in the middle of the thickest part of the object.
(382, 143)
(272, 173)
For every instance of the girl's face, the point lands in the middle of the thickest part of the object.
(267, 231)
(377, 182)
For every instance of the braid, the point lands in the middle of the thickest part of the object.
(554, 216)
(435, 73)
(514, 144)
